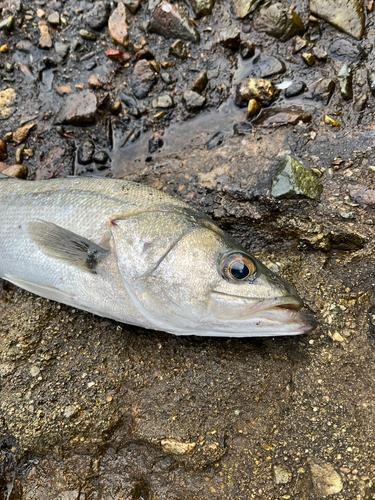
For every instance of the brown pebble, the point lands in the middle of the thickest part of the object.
(21, 134)
(3, 150)
(18, 171)
(95, 83)
(64, 89)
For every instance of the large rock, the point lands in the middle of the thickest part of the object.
(143, 78)
(345, 15)
(118, 26)
(345, 50)
(97, 17)
(169, 22)
(294, 181)
(242, 8)
(280, 21)
(264, 66)
(78, 109)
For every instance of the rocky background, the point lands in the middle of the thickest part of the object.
(260, 114)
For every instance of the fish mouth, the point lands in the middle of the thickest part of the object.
(280, 315)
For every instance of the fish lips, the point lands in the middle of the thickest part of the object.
(282, 311)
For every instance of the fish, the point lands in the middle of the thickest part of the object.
(128, 252)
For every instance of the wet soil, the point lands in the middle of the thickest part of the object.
(92, 409)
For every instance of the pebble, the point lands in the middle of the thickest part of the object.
(326, 481)
(54, 18)
(176, 447)
(18, 171)
(201, 81)
(308, 58)
(295, 89)
(143, 79)
(322, 90)
(62, 49)
(4, 48)
(371, 82)
(259, 89)
(166, 77)
(361, 194)
(299, 44)
(265, 66)
(168, 21)
(95, 82)
(282, 116)
(86, 152)
(242, 128)
(19, 155)
(320, 53)
(230, 38)
(24, 45)
(78, 109)
(202, 7)
(345, 78)
(282, 474)
(144, 54)
(22, 133)
(101, 158)
(132, 6)
(7, 23)
(88, 35)
(3, 150)
(294, 181)
(9, 67)
(331, 121)
(8, 98)
(243, 8)
(45, 40)
(155, 142)
(253, 108)
(345, 15)
(163, 101)
(279, 21)
(215, 140)
(119, 56)
(179, 49)
(64, 89)
(118, 27)
(247, 49)
(360, 103)
(192, 100)
(345, 50)
(98, 15)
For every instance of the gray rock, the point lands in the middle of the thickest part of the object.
(345, 15)
(78, 109)
(345, 78)
(322, 90)
(371, 82)
(279, 21)
(163, 101)
(361, 102)
(62, 49)
(201, 81)
(54, 18)
(295, 89)
(271, 117)
(179, 49)
(264, 66)
(97, 17)
(294, 181)
(363, 195)
(299, 44)
(143, 78)
(169, 22)
(192, 100)
(202, 7)
(243, 8)
(230, 38)
(24, 45)
(344, 50)
(85, 152)
(166, 77)
(10, 6)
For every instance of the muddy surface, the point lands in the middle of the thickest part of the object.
(92, 409)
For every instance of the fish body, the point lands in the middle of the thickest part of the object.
(128, 252)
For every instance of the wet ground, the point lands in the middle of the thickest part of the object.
(92, 409)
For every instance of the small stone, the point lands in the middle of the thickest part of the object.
(166, 77)
(34, 371)
(202, 7)
(144, 54)
(4, 49)
(95, 83)
(21, 134)
(78, 109)
(54, 18)
(118, 27)
(58, 163)
(24, 45)
(64, 89)
(155, 65)
(345, 50)
(308, 58)
(17, 171)
(360, 103)
(3, 150)
(322, 90)
(294, 181)
(88, 35)
(163, 101)
(279, 21)
(247, 49)
(40, 13)
(242, 128)
(371, 83)
(178, 49)
(7, 24)
(19, 155)
(282, 116)
(253, 108)
(259, 89)
(8, 136)
(176, 447)
(155, 142)
(119, 56)
(201, 81)
(8, 98)
(320, 53)
(62, 49)
(169, 22)
(299, 44)
(326, 481)
(97, 17)
(132, 6)
(282, 474)
(28, 152)
(85, 152)
(243, 8)
(230, 38)
(70, 411)
(9, 67)
(116, 106)
(143, 79)
(45, 40)
(215, 140)
(345, 15)
(345, 78)
(331, 121)
(362, 195)
(264, 66)
(192, 100)
(101, 158)
(295, 89)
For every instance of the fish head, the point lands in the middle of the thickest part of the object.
(187, 276)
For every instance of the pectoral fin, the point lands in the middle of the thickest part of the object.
(61, 243)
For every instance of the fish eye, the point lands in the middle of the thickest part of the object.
(238, 267)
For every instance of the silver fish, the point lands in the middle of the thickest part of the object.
(128, 252)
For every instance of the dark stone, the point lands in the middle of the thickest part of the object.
(371, 83)
(7, 24)
(216, 140)
(242, 128)
(127, 99)
(58, 163)
(178, 49)
(97, 17)
(201, 81)
(322, 91)
(263, 66)
(3, 150)
(90, 65)
(166, 77)
(155, 143)
(101, 157)
(281, 116)
(279, 21)
(169, 22)
(132, 5)
(344, 50)
(85, 152)
(247, 49)
(230, 38)
(345, 78)
(202, 7)
(295, 89)
(78, 109)
(144, 54)
(143, 79)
